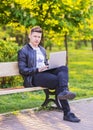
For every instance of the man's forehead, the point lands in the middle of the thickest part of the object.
(37, 33)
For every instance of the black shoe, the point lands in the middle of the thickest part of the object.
(71, 117)
(66, 95)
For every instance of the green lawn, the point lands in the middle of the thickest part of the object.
(80, 81)
(81, 73)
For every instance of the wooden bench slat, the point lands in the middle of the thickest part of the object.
(9, 69)
(18, 90)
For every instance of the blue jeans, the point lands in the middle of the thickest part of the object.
(54, 79)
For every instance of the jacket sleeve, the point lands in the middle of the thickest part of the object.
(22, 64)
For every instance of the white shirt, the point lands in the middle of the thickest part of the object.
(39, 58)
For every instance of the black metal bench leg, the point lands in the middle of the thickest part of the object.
(48, 99)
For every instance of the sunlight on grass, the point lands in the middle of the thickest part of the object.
(81, 92)
(82, 63)
(81, 73)
(88, 72)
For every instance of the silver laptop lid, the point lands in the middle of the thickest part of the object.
(57, 59)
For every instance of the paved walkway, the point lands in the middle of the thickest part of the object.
(50, 120)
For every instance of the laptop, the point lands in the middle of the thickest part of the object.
(57, 59)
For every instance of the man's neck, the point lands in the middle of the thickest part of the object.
(33, 46)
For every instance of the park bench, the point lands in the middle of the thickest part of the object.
(11, 69)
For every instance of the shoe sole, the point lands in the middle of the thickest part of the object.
(75, 121)
(68, 96)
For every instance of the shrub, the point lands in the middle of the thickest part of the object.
(8, 53)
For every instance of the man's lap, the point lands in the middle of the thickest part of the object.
(45, 79)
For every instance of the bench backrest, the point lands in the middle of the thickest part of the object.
(8, 69)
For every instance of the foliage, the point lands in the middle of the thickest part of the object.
(9, 51)
(55, 15)
(67, 18)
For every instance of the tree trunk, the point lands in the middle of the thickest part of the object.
(85, 43)
(78, 45)
(26, 39)
(92, 43)
(66, 47)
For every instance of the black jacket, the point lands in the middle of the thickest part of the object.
(27, 63)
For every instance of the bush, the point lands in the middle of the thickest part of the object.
(8, 53)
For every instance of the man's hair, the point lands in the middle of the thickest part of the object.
(39, 30)
(36, 29)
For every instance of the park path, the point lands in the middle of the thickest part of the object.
(50, 120)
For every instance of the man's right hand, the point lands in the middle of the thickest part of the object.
(42, 68)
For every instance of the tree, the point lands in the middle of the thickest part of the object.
(61, 16)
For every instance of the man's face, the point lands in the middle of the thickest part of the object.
(35, 38)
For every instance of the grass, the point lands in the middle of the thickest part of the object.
(20, 101)
(81, 73)
(80, 81)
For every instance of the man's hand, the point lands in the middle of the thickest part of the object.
(42, 68)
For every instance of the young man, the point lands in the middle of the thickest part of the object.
(32, 62)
